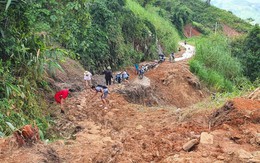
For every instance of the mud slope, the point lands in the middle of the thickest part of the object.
(176, 85)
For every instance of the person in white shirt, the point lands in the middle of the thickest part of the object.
(87, 78)
(125, 76)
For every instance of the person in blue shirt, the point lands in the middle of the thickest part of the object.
(172, 57)
(103, 90)
(136, 68)
(118, 77)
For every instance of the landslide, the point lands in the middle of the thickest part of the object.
(175, 85)
(133, 132)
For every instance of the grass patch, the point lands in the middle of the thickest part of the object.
(167, 34)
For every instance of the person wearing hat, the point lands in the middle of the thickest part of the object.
(87, 78)
(108, 75)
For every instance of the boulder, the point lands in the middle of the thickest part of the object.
(187, 146)
(206, 138)
(242, 154)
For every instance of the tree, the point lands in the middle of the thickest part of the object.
(247, 50)
(252, 50)
(181, 15)
(208, 2)
(145, 2)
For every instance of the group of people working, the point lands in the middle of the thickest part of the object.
(103, 90)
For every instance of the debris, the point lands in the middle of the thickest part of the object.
(206, 138)
(242, 154)
(187, 146)
(27, 135)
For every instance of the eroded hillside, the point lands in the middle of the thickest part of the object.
(150, 128)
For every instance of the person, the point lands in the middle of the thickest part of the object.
(185, 42)
(172, 57)
(118, 77)
(125, 76)
(161, 58)
(136, 68)
(108, 75)
(104, 92)
(87, 78)
(141, 73)
(61, 96)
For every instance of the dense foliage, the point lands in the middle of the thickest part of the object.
(247, 50)
(214, 64)
(197, 11)
(21, 69)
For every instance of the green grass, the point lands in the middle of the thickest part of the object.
(166, 32)
(214, 64)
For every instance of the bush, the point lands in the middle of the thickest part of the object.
(167, 34)
(213, 79)
(215, 54)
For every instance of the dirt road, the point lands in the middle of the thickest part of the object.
(190, 51)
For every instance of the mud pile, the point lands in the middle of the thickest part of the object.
(176, 85)
(237, 112)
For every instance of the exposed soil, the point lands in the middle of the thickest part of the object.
(150, 128)
(190, 31)
(230, 32)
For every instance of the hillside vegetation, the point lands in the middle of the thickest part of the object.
(36, 35)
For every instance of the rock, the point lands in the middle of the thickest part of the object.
(254, 161)
(206, 138)
(194, 136)
(227, 127)
(187, 146)
(93, 131)
(242, 154)
(173, 159)
(72, 118)
(139, 127)
(205, 154)
(194, 82)
(110, 114)
(252, 141)
(107, 139)
(257, 138)
(60, 142)
(69, 142)
(79, 107)
(176, 156)
(256, 154)
(221, 158)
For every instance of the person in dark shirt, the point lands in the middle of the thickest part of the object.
(108, 75)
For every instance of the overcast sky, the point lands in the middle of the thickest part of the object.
(242, 8)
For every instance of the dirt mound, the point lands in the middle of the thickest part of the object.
(139, 94)
(176, 85)
(27, 135)
(237, 112)
(190, 31)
